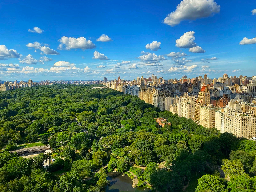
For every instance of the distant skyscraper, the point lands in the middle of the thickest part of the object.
(105, 80)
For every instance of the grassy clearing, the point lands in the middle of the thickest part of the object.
(27, 145)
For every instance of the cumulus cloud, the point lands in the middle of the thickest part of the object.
(62, 66)
(192, 10)
(48, 51)
(181, 61)
(205, 67)
(86, 69)
(183, 68)
(133, 66)
(109, 70)
(126, 62)
(68, 43)
(190, 68)
(8, 53)
(213, 58)
(35, 45)
(197, 49)
(186, 40)
(44, 59)
(28, 60)
(176, 54)
(118, 65)
(154, 46)
(100, 56)
(144, 53)
(104, 38)
(45, 50)
(254, 12)
(101, 66)
(36, 30)
(247, 41)
(151, 58)
(236, 70)
(9, 68)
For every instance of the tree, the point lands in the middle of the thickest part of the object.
(211, 183)
(232, 168)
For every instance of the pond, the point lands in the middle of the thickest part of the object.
(122, 183)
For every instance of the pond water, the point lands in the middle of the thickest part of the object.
(122, 183)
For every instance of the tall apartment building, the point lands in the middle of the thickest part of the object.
(237, 118)
(202, 100)
(184, 106)
(207, 116)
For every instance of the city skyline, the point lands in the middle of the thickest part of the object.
(92, 40)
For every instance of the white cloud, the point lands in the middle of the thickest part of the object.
(36, 30)
(176, 54)
(101, 66)
(154, 46)
(133, 66)
(35, 45)
(109, 70)
(213, 58)
(28, 60)
(205, 67)
(197, 49)
(118, 65)
(254, 12)
(247, 41)
(28, 69)
(48, 51)
(173, 54)
(86, 69)
(144, 53)
(190, 68)
(181, 61)
(150, 64)
(192, 10)
(44, 59)
(183, 68)
(236, 70)
(126, 62)
(8, 53)
(174, 69)
(9, 68)
(100, 56)
(104, 38)
(62, 66)
(151, 58)
(68, 43)
(186, 40)
(45, 50)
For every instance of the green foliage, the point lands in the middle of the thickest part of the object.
(211, 183)
(232, 168)
(15, 168)
(89, 129)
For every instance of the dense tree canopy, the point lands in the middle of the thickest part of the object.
(94, 131)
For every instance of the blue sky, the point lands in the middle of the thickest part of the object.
(61, 39)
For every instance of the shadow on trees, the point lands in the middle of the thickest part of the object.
(188, 165)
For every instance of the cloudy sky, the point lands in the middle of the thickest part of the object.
(89, 40)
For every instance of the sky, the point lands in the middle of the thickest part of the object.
(89, 40)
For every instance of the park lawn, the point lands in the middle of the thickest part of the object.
(27, 145)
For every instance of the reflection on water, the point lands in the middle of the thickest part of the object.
(122, 183)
